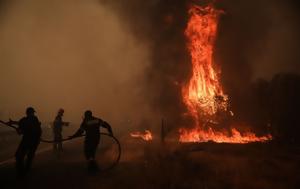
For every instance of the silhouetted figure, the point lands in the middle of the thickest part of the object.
(91, 126)
(57, 130)
(30, 128)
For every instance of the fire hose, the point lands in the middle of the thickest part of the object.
(66, 139)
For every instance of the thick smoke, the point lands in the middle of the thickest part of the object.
(256, 40)
(127, 60)
(161, 24)
(71, 54)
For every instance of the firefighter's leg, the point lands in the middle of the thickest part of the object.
(55, 142)
(20, 155)
(94, 148)
(87, 150)
(59, 143)
(31, 154)
(90, 148)
(90, 151)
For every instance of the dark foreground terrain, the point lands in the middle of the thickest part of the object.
(152, 165)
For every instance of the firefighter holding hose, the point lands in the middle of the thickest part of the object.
(91, 126)
(30, 127)
(57, 130)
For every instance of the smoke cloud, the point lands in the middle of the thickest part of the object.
(76, 55)
(256, 39)
(127, 60)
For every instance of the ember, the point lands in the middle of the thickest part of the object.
(147, 135)
(203, 95)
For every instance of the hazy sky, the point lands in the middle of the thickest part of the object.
(126, 59)
(70, 54)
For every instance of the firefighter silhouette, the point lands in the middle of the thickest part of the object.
(30, 127)
(91, 126)
(57, 130)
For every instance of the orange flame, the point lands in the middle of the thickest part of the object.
(147, 135)
(199, 135)
(203, 95)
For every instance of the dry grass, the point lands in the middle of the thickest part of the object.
(151, 165)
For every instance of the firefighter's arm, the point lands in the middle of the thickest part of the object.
(107, 126)
(12, 122)
(58, 121)
(65, 123)
(79, 132)
(19, 131)
(19, 128)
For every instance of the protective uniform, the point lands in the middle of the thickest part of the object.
(91, 126)
(30, 128)
(57, 130)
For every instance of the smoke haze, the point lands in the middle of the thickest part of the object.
(71, 54)
(128, 59)
(256, 39)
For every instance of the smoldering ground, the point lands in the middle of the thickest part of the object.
(151, 165)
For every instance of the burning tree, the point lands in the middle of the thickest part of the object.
(203, 95)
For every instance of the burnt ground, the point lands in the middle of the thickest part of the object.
(152, 165)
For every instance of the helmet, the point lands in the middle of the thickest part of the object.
(30, 110)
(88, 113)
(60, 111)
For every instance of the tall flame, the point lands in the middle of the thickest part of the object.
(203, 90)
(203, 95)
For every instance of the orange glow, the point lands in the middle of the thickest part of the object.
(147, 135)
(199, 135)
(203, 95)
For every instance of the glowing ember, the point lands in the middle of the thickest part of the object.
(203, 95)
(147, 135)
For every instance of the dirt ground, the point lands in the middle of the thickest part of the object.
(172, 165)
